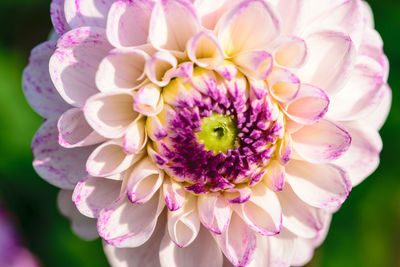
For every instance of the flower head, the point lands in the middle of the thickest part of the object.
(198, 132)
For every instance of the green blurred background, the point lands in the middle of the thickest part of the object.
(365, 232)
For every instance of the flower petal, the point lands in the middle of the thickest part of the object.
(203, 251)
(81, 13)
(362, 158)
(256, 64)
(251, 25)
(174, 194)
(38, 87)
(57, 165)
(204, 50)
(275, 176)
(136, 136)
(110, 158)
(262, 213)
(173, 23)
(319, 185)
(111, 114)
(309, 106)
(321, 142)
(158, 67)
(122, 68)
(290, 52)
(361, 93)
(329, 62)
(214, 212)
(184, 224)
(284, 85)
(93, 194)
(128, 22)
(210, 11)
(83, 226)
(145, 255)
(379, 115)
(144, 181)
(74, 64)
(74, 131)
(58, 19)
(130, 225)
(238, 242)
(298, 217)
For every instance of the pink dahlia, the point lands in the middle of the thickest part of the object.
(203, 133)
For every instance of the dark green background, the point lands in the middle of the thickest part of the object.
(365, 232)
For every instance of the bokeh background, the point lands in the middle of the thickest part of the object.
(364, 232)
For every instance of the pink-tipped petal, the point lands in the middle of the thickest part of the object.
(174, 194)
(256, 64)
(210, 11)
(74, 131)
(203, 251)
(309, 106)
(145, 255)
(319, 185)
(184, 224)
(93, 194)
(321, 142)
(80, 13)
(122, 68)
(275, 176)
(110, 158)
(128, 22)
(38, 87)
(83, 226)
(330, 60)
(285, 149)
(136, 136)
(290, 52)
(283, 85)
(238, 242)
(111, 114)
(204, 50)
(251, 25)
(130, 225)
(58, 19)
(214, 212)
(159, 66)
(303, 220)
(59, 166)
(262, 213)
(144, 181)
(362, 158)
(173, 23)
(75, 62)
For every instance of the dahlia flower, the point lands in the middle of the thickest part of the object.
(203, 133)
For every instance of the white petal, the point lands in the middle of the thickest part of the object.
(58, 19)
(204, 50)
(174, 194)
(319, 185)
(379, 115)
(330, 60)
(251, 25)
(130, 225)
(75, 62)
(93, 194)
(173, 23)
(122, 68)
(256, 64)
(111, 114)
(284, 85)
(74, 131)
(290, 52)
(202, 252)
(38, 87)
(87, 12)
(321, 142)
(110, 158)
(135, 136)
(59, 166)
(158, 67)
(184, 224)
(144, 181)
(214, 212)
(128, 23)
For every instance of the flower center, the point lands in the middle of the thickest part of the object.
(218, 133)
